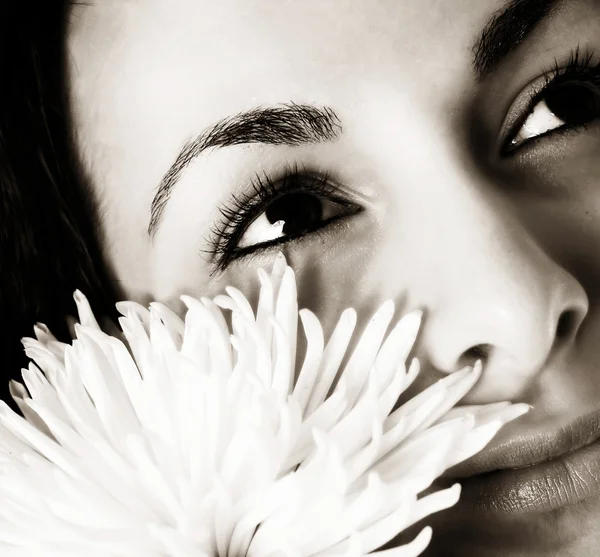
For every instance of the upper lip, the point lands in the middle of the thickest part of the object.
(528, 450)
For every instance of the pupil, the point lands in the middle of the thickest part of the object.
(574, 103)
(301, 213)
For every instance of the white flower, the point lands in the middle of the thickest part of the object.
(203, 444)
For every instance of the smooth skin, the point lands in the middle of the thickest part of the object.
(501, 251)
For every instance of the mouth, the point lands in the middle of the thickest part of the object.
(535, 473)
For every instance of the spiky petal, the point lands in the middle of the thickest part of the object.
(197, 440)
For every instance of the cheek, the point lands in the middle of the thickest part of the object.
(333, 270)
(336, 272)
(179, 259)
(561, 206)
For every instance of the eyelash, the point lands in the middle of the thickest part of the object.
(579, 68)
(241, 211)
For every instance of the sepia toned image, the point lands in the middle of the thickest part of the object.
(306, 278)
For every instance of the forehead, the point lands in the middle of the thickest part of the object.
(306, 20)
(269, 42)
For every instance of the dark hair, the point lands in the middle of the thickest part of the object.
(47, 242)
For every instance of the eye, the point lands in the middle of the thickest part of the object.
(291, 215)
(277, 212)
(567, 105)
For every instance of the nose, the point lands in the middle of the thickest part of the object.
(489, 289)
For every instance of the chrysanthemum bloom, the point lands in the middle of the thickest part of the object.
(198, 440)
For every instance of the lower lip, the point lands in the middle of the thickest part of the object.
(564, 481)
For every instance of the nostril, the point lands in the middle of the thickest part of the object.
(479, 352)
(567, 324)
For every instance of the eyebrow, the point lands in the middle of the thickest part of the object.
(289, 124)
(506, 30)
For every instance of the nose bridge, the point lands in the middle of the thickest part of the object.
(482, 245)
(487, 285)
(492, 267)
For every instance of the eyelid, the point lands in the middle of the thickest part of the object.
(244, 251)
(264, 189)
(520, 110)
(579, 63)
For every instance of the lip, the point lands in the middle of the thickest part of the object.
(536, 473)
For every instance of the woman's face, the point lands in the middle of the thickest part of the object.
(444, 154)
